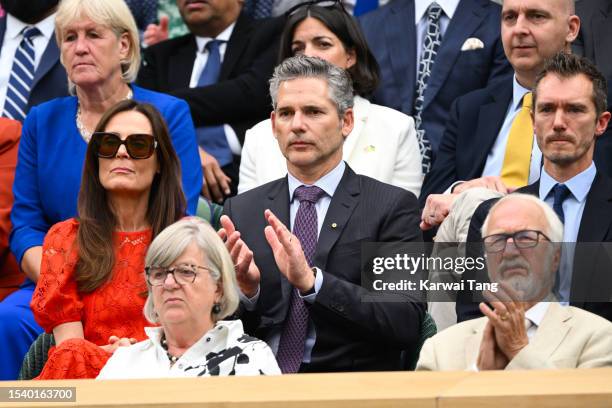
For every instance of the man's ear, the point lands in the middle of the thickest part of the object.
(348, 121)
(574, 28)
(602, 123)
(273, 120)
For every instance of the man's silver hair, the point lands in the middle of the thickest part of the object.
(300, 66)
(555, 227)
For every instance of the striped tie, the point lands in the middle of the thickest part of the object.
(22, 76)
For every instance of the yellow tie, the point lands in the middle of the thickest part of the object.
(515, 171)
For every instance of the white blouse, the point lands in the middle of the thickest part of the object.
(223, 350)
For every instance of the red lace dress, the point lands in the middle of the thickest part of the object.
(115, 308)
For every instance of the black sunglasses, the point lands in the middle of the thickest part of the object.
(319, 3)
(138, 145)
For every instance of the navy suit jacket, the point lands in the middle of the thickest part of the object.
(595, 42)
(240, 97)
(592, 274)
(391, 34)
(50, 79)
(351, 334)
(474, 123)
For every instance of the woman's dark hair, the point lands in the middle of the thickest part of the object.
(365, 71)
(96, 218)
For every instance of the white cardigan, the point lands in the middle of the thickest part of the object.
(223, 350)
(382, 145)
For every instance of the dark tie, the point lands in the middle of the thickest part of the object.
(22, 77)
(212, 138)
(560, 193)
(431, 43)
(305, 227)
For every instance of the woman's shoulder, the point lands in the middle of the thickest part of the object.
(160, 100)
(57, 106)
(381, 112)
(65, 228)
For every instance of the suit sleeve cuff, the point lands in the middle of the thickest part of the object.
(311, 297)
(249, 303)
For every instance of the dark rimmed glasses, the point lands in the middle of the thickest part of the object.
(138, 145)
(319, 3)
(182, 274)
(522, 239)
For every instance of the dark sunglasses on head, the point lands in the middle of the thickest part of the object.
(138, 145)
(319, 3)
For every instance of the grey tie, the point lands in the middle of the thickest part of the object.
(431, 43)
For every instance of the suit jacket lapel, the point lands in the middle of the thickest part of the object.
(552, 330)
(277, 201)
(465, 21)
(235, 46)
(2, 30)
(596, 210)
(49, 58)
(400, 32)
(490, 121)
(340, 209)
(180, 65)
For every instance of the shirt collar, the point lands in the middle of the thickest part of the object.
(327, 183)
(535, 314)
(420, 7)
(15, 26)
(518, 91)
(579, 185)
(223, 36)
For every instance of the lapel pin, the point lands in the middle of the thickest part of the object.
(370, 148)
(334, 225)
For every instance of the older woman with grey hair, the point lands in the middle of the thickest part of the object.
(99, 48)
(191, 288)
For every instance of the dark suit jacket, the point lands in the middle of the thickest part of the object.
(595, 226)
(351, 335)
(472, 128)
(391, 35)
(595, 42)
(240, 97)
(50, 79)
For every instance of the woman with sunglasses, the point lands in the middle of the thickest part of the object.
(383, 143)
(191, 287)
(99, 47)
(89, 294)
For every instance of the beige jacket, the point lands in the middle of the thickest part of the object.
(567, 337)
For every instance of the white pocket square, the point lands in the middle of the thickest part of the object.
(472, 44)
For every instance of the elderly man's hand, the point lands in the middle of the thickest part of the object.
(288, 254)
(437, 207)
(490, 357)
(216, 184)
(508, 320)
(247, 272)
(491, 182)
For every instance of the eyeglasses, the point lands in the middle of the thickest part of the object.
(182, 274)
(522, 239)
(138, 145)
(319, 3)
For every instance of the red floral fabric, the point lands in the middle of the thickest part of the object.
(115, 308)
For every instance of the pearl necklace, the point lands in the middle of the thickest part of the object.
(86, 134)
(164, 344)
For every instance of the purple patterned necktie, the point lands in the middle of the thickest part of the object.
(293, 336)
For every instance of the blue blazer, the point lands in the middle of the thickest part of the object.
(50, 79)
(391, 35)
(52, 154)
(472, 128)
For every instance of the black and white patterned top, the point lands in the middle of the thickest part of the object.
(223, 350)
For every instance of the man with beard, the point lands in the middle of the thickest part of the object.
(569, 115)
(523, 328)
(30, 70)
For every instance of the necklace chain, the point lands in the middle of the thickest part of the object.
(86, 134)
(164, 344)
